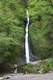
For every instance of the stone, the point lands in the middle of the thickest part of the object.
(15, 69)
(7, 77)
(40, 71)
(1, 78)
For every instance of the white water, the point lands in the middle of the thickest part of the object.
(26, 39)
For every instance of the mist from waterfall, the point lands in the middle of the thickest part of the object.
(26, 39)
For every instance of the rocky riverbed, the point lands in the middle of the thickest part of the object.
(48, 76)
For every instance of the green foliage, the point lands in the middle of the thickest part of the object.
(41, 17)
(9, 49)
(29, 67)
(12, 15)
(47, 66)
(43, 66)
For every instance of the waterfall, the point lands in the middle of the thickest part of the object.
(26, 39)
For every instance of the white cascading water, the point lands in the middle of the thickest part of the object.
(26, 39)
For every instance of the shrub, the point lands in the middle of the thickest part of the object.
(47, 66)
